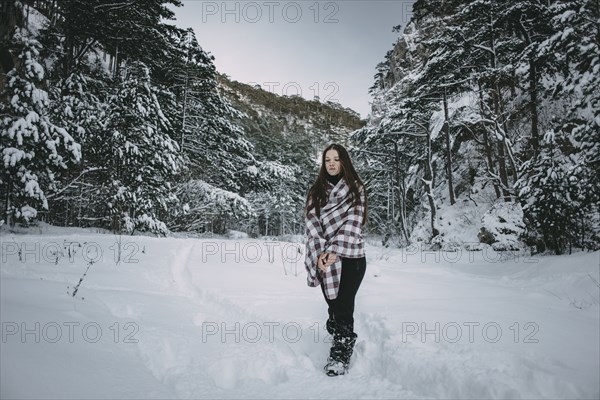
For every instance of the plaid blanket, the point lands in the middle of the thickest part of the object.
(337, 231)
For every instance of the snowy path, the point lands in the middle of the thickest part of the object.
(240, 349)
(187, 318)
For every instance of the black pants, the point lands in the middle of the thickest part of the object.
(340, 323)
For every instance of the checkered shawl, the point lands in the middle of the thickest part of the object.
(338, 231)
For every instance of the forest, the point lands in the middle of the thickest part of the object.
(485, 113)
(492, 105)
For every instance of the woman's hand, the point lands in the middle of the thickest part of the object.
(325, 260)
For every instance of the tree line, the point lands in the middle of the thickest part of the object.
(492, 101)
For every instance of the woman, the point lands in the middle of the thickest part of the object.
(336, 210)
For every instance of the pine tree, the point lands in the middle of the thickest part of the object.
(34, 148)
(76, 104)
(553, 195)
(577, 47)
(573, 160)
(140, 155)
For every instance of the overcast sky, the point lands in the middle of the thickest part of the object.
(325, 48)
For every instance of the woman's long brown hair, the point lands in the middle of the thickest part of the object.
(318, 191)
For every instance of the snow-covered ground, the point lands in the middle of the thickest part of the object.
(215, 318)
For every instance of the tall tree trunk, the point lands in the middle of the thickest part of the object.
(69, 42)
(499, 134)
(402, 211)
(488, 147)
(116, 62)
(429, 186)
(509, 150)
(501, 146)
(533, 102)
(448, 150)
(399, 188)
(533, 92)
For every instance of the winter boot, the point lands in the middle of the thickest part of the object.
(335, 368)
(340, 354)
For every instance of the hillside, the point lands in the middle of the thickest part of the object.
(272, 119)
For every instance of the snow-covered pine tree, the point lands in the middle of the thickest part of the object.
(554, 197)
(140, 156)
(89, 42)
(577, 46)
(76, 105)
(34, 148)
(568, 167)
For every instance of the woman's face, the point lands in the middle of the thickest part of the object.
(332, 162)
